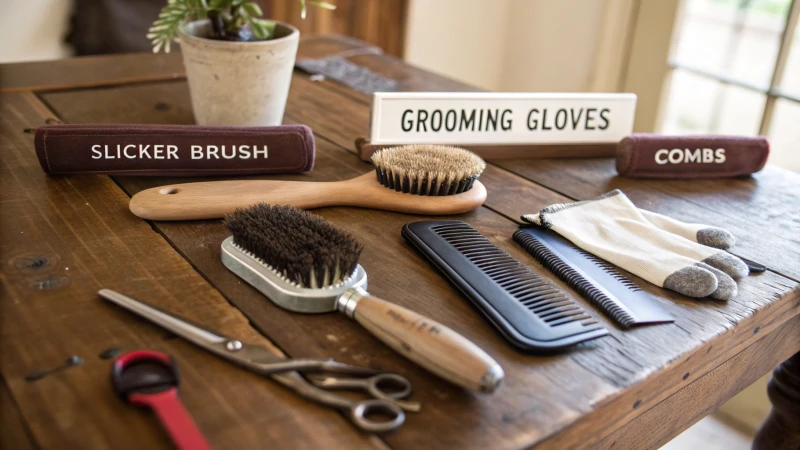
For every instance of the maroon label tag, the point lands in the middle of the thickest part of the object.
(657, 156)
(174, 149)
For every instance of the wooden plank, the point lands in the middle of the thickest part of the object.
(14, 431)
(586, 394)
(669, 418)
(90, 71)
(62, 239)
(107, 70)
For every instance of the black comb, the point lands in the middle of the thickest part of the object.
(594, 279)
(529, 311)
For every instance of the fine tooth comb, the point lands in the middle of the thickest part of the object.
(415, 179)
(593, 278)
(529, 311)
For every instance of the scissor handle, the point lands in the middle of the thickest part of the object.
(361, 410)
(388, 380)
(376, 386)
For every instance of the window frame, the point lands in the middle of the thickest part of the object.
(654, 31)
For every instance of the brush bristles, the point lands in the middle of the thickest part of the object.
(300, 246)
(427, 169)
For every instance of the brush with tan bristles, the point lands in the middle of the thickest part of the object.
(415, 179)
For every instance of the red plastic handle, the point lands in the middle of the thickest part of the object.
(174, 417)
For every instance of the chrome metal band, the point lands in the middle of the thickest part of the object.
(346, 303)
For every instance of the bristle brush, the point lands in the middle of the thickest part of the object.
(304, 264)
(416, 179)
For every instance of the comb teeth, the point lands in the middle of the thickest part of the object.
(609, 269)
(528, 310)
(432, 170)
(575, 280)
(594, 279)
(536, 294)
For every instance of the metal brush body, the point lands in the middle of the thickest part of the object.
(282, 292)
(424, 341)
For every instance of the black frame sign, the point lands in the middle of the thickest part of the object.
(484, 118)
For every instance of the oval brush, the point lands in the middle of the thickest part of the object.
(304, 264)
(416, 179)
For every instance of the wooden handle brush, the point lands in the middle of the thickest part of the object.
(303, 263)
(415, 179)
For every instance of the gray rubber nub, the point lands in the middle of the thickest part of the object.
(724, 261)
(726, 287)
(692, 281)
(715, 237)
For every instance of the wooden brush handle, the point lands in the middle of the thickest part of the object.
(215, 199)
(424, 341)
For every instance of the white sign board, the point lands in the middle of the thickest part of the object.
(500, 118)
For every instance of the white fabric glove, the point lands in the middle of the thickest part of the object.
(684, 257)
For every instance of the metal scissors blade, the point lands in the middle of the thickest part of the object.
(260, 360)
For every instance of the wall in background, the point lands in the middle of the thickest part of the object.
(508, 45)
(460, 39)
(34, 29)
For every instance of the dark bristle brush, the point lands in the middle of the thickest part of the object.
(414, 179)
(304, 264)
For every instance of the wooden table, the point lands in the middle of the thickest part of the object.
(63, 238)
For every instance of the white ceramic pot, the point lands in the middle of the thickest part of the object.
(238, 83)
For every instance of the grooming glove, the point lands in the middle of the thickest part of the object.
(686, 258)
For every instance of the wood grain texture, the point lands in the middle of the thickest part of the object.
(215, 199)
(366, 149)
(90, 71)
(14, 432)
(378, 22)
(430, 344)
(62, 239)
(657, 426)
(562, 401)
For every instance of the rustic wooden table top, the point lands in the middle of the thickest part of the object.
(63, 238)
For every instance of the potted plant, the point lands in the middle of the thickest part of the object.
(239, 65)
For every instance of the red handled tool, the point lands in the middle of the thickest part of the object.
(147, 378)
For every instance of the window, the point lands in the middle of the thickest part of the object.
(735, 69)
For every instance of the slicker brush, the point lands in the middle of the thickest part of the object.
(427, 169)
(304, 264)
(414, 179)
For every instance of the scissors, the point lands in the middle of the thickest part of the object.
(258, 359)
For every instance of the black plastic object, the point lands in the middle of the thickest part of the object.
(529, 311)
(596, 280)
(144, 371)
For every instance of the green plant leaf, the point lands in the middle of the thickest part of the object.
(165, 29)
(324, 5)
(262, 29)
(252, 9)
